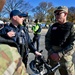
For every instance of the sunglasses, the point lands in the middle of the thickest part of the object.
(58, 13)
(20, 16)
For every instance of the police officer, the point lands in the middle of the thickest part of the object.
(59, 42)
(19, 34)
(10, 60)
(37, 32)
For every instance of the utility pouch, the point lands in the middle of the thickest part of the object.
(20, 40)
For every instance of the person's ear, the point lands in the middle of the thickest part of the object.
(14, 17)
(65, 14)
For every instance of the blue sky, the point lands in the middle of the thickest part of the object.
(55, 3)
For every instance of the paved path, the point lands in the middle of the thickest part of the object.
(42, 47)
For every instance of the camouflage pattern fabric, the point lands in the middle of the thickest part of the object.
(11, 61)
(67, 67)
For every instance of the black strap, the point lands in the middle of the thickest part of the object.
(9, 42)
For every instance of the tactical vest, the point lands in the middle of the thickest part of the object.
(39, 30)
(60, 34)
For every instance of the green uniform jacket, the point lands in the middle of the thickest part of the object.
(36, 29)
(11, 61)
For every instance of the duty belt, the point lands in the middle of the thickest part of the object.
(56, 48)
(60, 49)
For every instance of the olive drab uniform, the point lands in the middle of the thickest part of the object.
(60, 39)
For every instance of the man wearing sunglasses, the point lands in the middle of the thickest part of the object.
(59, 42)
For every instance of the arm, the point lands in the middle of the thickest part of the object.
(31, 46)
(3, 32)
(72, 34)
(71, 43)
(7, 32)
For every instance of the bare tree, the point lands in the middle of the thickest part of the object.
(50, 15)
(71, 14)
(21, 5)
(41, 10)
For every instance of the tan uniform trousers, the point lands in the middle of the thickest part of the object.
(67, 65)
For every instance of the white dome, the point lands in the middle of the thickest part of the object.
(1, 22)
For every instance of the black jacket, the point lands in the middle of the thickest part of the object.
(19, 31)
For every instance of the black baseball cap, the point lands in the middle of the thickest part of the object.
(36, 21)
(17, 12)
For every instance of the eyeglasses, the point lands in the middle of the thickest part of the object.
(20, 16)
(58, 13)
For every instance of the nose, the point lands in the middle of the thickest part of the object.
(22, 18)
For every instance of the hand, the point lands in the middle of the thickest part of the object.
(11, 33)
(38, 53)
(55, 57)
